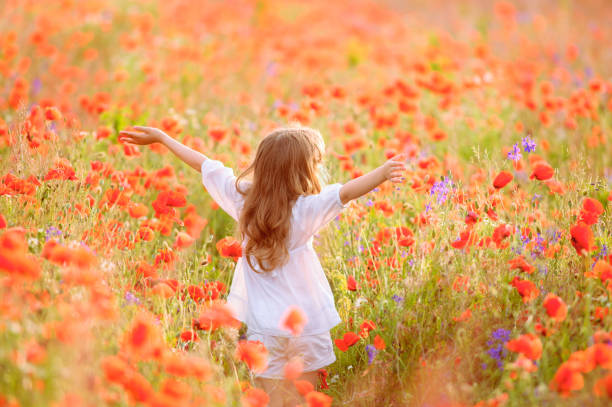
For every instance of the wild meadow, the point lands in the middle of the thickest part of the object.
(482, 280)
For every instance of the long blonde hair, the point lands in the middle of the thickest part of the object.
(284, 168)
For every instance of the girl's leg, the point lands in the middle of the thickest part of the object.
(283, 392)
(275, 389)
(293, 397)
(312, 377)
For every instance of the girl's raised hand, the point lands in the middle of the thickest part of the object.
(395, 168)
(144, 135)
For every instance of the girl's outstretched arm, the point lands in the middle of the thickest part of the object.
(148, 135)
(392, 170)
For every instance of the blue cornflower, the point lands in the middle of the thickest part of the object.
(372, 352)
(397, 298)
(528, 144)
(501, 334)
(497, 350)
(515, 153)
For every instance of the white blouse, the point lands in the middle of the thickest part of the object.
(260, 299)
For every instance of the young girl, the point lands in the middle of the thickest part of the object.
(278, 212)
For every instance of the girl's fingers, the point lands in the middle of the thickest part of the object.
(147, 130)
(130, 133)
(399, 157)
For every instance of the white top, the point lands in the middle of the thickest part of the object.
(260, 299)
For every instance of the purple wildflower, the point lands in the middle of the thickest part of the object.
(372, 351)
(515, 153)
(441, 190)
(52, 232)
(501, 334)
(528, 144)
(397, 298)
(131, 298)
(539, 240)
(36, 85)
(497, 350)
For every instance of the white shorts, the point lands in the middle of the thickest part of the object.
(316, 352)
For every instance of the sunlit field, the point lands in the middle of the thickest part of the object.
(482, 280)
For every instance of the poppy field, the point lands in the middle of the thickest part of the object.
(482, 280)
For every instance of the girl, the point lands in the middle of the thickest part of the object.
(278, 213)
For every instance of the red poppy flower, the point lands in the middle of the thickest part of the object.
(52, 113)
(189, 336)
(216, 316)
(254, 397)
(351, 283)
(542, 171)
(293, 368)
(603, 386)
(316, 399)
(293, 320)
(183, 240)
(379, 343)
(591, 210)
(502, 179)
(229, 247)
(582, 238)
(528, 344)
(526, 289)
(404, 235)
(303, 386)
(520, 263)
(254, 354)
(348, 340)
(567, 379)
(555, 307)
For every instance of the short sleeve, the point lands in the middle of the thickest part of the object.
(220, 183)
(318, 210)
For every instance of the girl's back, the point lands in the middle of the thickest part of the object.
(261, 297)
